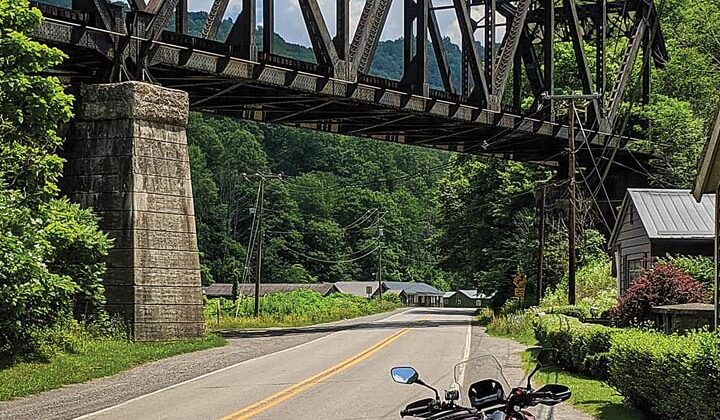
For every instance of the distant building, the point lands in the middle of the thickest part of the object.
(224, 290)
(466, 299)
(414, 293)
(364, 289)
(655, 222)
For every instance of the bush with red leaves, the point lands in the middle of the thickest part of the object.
(663, 284)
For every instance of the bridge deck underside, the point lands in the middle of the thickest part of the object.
(280, 90)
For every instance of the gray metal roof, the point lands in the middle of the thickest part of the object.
(410, 287)
(674, 214)
(357, 288)
(474, 294)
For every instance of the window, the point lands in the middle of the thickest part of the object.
(368, 290)
(478, 302)
(633, 267)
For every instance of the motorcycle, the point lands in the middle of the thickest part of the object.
(488, 399)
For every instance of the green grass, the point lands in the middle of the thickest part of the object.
(96, 358)
(292, 309)
(517, 326)
(591, 396)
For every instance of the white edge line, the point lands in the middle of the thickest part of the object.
(140, 397)
(466, 353)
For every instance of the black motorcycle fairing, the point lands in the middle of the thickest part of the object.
(420, 408)
(559, 393)
(486, 393)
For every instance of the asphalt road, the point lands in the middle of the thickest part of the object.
(343, 375)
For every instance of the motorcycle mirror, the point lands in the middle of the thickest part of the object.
(547, 357)
(404, 375)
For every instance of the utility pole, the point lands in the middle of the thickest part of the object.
(259, 233)
(572, 258)
(258, 270)
(541, 246)
(379, 270)
(571, 204)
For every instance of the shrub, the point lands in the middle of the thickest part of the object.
(595, 286)
(663, 284)
(699, 267)
(298, 307)
(581, 347)
(518, 325)
(484, 316)
(49, 269)
(579, 312)
(668, 376)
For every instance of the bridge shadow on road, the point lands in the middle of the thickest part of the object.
(349, 325)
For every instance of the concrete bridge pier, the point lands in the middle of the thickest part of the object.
(128, 160)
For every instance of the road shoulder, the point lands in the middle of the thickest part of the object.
(508, 352)
(75, 400)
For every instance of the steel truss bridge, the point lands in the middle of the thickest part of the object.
(242, 77)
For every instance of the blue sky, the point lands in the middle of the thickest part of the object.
(290, 25)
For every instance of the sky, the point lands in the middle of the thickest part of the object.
(290, 25)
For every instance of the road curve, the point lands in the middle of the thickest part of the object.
(343, 375)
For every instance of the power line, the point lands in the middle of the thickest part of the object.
(298, 253)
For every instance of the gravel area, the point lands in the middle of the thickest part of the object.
(508, 352)
(76, 400)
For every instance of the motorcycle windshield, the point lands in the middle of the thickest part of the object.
(476, 369)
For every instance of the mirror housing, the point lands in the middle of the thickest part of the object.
(404, 375)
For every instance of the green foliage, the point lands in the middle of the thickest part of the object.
(676, 138)
(484, 316)
(50, 250)
(594, 287)
(486, 219)
(667, 376)
(579, 312)
(581, 347)
(324, 211)
(699, 267)
(31, 106)
(661, 375)
(662, 284)
(76, 355)
(296, 308)
(518, 325)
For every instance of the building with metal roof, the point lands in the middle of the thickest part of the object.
(467, 299)
(364, 289)
(653, 223)
(414, 293)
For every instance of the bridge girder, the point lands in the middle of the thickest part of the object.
(234, 76)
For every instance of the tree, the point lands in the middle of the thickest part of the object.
(51, 251)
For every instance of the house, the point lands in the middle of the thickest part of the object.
(224, 290)
(466, 299)
(364, 289)
(414, 293)
(653, 223)
(707, 182)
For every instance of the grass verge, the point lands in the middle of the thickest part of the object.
(292, 309)
(590, 396)
(96, 358)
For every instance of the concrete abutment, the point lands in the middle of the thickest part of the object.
(128, 160)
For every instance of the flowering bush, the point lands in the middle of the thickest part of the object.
(663, 284)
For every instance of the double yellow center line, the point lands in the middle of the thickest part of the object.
(291, 391)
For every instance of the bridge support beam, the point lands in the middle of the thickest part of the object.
(128, 159)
